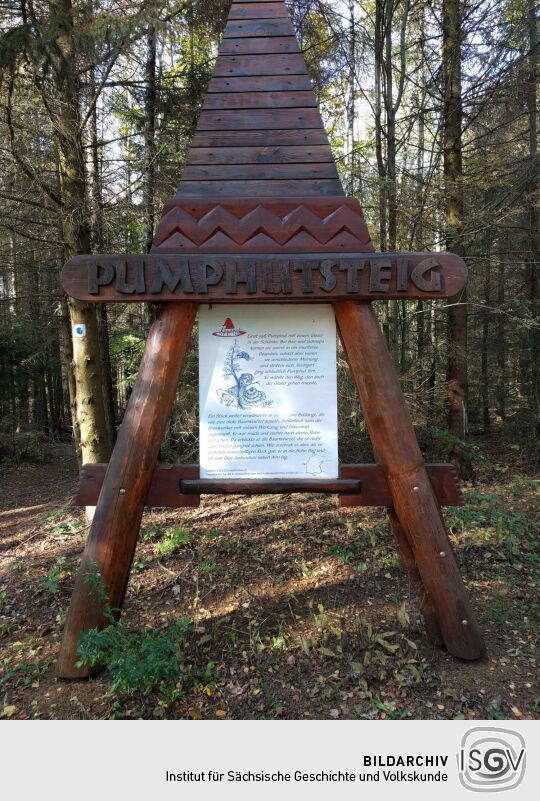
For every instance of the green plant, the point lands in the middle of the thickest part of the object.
(489, 515)
(137, 661)
(3, 596)
(152, 532)
(469, 451)
(64, 522)
(56, 573)
(207, 566)
(23, 446)
(98, 591)
(172, 540)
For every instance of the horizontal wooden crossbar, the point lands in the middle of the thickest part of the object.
(203, 486)
(177, 486)
(263, 278)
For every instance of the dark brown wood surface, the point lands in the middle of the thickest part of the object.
(260, 83)
(269, 225)
(165, 488)
(113, 535)
(271, 172)
(259, 27)
(261, 138)
(264, 44)
(260, 279)
(259, 100)
(257, 10)
(260, 90)
(406, 556)
(273, 154)
(260, 119)
(375, 491)
(414, 500)
(205, 486)
(266, 65)
(262, 189)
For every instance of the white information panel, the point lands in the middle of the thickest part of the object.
(267, 388)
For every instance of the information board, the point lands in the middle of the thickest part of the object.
(268, 394)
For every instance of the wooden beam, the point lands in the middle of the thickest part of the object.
(240, 65)
(267, 487)
(303, 154)
(260, 138)
(414, 500)
(260, 83)
(115, 528)
(266, 99)
(262, 278)
(168, 481)
(261, 120)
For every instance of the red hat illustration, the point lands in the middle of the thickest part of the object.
(228, 329)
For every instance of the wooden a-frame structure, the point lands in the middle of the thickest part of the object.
(260, 215)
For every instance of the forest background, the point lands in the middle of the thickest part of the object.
(431, 109)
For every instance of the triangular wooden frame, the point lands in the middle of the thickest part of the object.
(260, 179)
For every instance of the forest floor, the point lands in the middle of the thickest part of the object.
(269, 607)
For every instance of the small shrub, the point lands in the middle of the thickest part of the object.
(23, 446)
(137, 661)
(172, 540)
(56, 573)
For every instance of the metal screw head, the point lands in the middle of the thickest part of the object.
(442, 553)
(465, 622)
(416, 488)
(122, 491)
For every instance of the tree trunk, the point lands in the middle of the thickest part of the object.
(453, 177)
(534, 218)
(90, 408)
(351, 104)
(98, 247)
(501, 341)
(486, 316)
(149, 138)
(381, 162)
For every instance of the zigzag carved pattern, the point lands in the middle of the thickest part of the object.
(261, 228)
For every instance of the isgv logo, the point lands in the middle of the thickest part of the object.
(491, 759)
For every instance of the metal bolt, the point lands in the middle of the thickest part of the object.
(442, 553)
(465, 622)
(416, 489)
(122, 491)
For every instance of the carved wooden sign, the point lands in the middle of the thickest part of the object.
(259, 179)
(295, 277)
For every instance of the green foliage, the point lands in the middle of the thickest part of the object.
(55, 574)
(98, 591)
(487, 512)
(63, 522)
(469, 451)
(23, 446)
(205, 566)
(173, 540)
(142, 661)
(152, 532)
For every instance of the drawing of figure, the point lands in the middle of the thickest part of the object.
(245, 393)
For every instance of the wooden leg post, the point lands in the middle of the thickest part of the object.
(415, 504)
(113, 535)
(407, 560)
